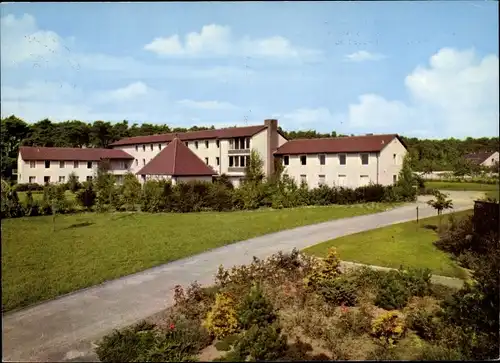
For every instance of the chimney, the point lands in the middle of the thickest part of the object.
(272, 143)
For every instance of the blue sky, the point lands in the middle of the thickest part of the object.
(426, 69)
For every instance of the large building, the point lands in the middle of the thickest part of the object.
(201, 155)
(483, 158)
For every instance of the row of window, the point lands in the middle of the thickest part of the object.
(322, 159)
(341, 179)
(62, 179)
(240, 143)
(62, 164)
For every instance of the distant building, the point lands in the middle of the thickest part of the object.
(200, 155)
(488, 158)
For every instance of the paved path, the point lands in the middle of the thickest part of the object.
(63, 329)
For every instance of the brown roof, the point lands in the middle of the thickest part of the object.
(70, 153)
(176, 160)
(350, 144)
(226, 133)
(479, 157)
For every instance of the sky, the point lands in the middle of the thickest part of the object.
(422, 69)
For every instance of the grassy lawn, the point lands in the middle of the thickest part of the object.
(38, 195)
(493, 194)
(405, 244)
(461, 186)
(89, 248)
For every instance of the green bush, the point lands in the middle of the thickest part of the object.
(86, 197)
(340, 291)
(28, 187)
(256, 309)
(73, 184)
(262, 343)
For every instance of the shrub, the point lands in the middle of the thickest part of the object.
(431, 352)
(262, 343)
(220, 197)
(458, 238)
(130, 191)
(28, 187)
(151, 198)
(388, 327)
(256, 309)
(328, 270)
(73, 184)
(86, 197)
(222, 319)
(340, 291)
(195, 302)
(32, 208)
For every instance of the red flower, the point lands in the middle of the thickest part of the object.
(343, 308)
(172, 326)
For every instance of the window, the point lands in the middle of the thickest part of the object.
(286, 160)
(231, 161)
(242, 161)
(159, 146)
(196, 144)
(75, 164)
(247, 160)
(136, 147)
(143, 147)
(303, 178)
(152, 147)
(46, 179)
(32, 164)
(89, 178)
(342, 159)
(217, 160)
(322, 159)
(89, 164)
(394, 158)
(341, 180)
(61, 164)
(364, 159)
(321, 180)
(32, 179)
(303, 159)
(61, 179)
(248, 143)
(206, 144)
(206, 161)
(187, 143)
(364, 180)
(394, 179)
(217, 142)
(231, 144)
(143, 161)
(236, 161)
(47, 164)
(136, 162)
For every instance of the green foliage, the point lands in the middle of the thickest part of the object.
(130, 191)
(396, 287)
(388, 328)
(28, 187)
(327, 270)
(262, 343)
(405, 186)
(10, 205)
(256, 309)
(222, 319)
(86, 196)
(340, 291)
(73, 183)
(254, 170)
(146, 342)
(440, 203)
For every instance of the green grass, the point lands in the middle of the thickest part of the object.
(461, 186)
(38, 195)
(405, 244)
(493, 194)
(89, 248)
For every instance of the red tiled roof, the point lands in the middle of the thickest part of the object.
(479, 157)
(70, 153)
(226, 133)
(348, 144)
(176, 160)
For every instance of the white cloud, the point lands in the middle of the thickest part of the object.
(455, 95)
(217, 41)
(207, 105)
(307, 118)
(363, 55)
(129, 92)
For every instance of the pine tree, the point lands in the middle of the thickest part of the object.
(256, 309)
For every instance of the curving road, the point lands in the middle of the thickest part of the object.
(63, 329)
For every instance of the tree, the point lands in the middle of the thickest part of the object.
(54, 196)
(131, 191)
(256, 309)
(73, 184)
(254, 172)
(86, 197)
(406, 181)
(440, 203)
(104, 186)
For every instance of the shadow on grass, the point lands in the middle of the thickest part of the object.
(79, 225)
(124, 215)
(431, 227)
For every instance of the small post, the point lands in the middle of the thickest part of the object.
(417, 215)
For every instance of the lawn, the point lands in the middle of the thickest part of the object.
(461, 186)
(405, 244)
(493, 194)
(38, 195)
(90, 248)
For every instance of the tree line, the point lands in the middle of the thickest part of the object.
(426, 155)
